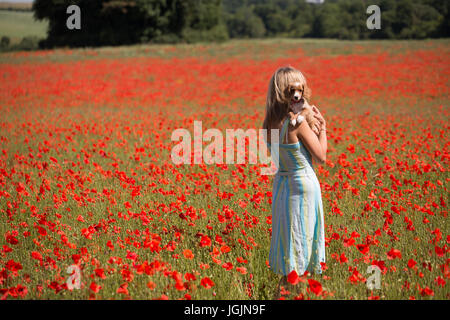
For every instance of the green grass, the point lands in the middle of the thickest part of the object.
(119, 131)
(255, 49)
(16, 25)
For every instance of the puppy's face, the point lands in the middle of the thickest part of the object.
(294, 96)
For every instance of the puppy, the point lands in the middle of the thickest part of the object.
(298, 104)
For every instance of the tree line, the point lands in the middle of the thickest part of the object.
(342, 19)
(118, 22)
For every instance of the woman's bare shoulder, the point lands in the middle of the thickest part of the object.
(269, 131)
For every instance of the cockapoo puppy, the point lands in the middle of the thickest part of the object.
(299, 105)
(288, 95)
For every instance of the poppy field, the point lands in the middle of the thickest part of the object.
(89, 194)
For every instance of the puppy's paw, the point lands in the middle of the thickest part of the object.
(299, 120)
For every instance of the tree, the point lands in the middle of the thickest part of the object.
(203, 21)
(244, 23)
(426, 20)
(4, 43)
(302, 17)
(328, 21)
(116, 22)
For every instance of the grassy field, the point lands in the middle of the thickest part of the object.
(18, 6)
(19, 24)
(86, 176)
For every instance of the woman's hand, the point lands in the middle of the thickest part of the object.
(316, 128)
(318, 116)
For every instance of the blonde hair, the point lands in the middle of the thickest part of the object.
(277, 104)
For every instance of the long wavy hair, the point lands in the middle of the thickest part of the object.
(277, 103)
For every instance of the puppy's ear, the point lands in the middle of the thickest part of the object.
(307, 105)
(307, 92)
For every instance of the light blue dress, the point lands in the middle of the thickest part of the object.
(298, 237)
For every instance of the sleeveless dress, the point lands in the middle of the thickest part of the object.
(298, 237)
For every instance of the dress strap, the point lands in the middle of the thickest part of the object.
(284, 131)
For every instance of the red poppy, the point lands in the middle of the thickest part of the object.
(411, 263)
(207, 283)
(315, 286)
(393, 254)
(363, 248)
(227, 266)
(187, 253)
(100, 273)
(189, 276)
(95, 287)
(36, 255)
(293, 277)
(12, 240)
(123, 289)
(205, 241)
(151, 285)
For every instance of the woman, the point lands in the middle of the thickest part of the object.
(298, 241)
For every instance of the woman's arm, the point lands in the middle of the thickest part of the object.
(315, 129)
(322, 128)
(317, 146)
(323, 140)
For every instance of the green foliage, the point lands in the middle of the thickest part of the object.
(26, 43)
(342, 19)
(111, 22)
(117, 22)
(245, 23)
(29, 43)
(4, 43)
